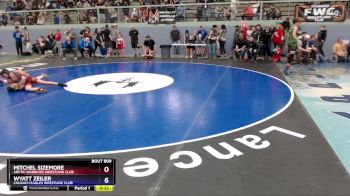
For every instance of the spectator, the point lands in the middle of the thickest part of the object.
(251, 49)
(315, 54)
(126, 11)
(199, 14)
(66, 18)
(286, 28)
(286, 24)
(69, 47)
(277, 39)
(206, 11)
(113, 15)
(17, 35)
(322, 36)
(114, 35)
(292, 44)
(85, 18)
(227, 13)
(51, 39)
(180, 12)
(190, 39)
(236, 33)
(266, 41)
(86, 4)
(86, 32)
(215, 29)
(175, 38)
(202, 37)
(97, 40)
(219, 12)
(149, 48)
(4, 19)
(254, 33)
(120, 44)
(275, 12)
(212, 43)
(339, 51)
(222, 39)
(107, 39)
(58, 43)
(240, 49)
(304, 51)
(233, 8)
(85, 46)
(134, 37)
(56, 19)
(143, 14)
(70, 33)
(26, 38)
(41, 19)
(134, 15)
(43, 45)
(248, 13)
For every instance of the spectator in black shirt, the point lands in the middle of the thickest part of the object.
(149, 48)
(322, 36)
(97, 40)
(240, 49)
(190, 39)
(126, 11)
(107, 39)
(266, 41)
(134, 37)
(175, 38)
(51, 39)
(43, 45)
(286, 25)
(235, 39)
(251, 48)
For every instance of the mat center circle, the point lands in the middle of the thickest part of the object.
(118, 83)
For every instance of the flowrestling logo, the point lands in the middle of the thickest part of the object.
(118, 83)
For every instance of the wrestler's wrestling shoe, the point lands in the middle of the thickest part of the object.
(62, 85)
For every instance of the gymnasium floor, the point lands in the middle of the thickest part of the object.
(247, 132)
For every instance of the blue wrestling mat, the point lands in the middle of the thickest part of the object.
(138, 105)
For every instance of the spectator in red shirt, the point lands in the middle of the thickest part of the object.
(277, 39)
(58, 43)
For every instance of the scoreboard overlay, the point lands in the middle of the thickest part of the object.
(82, 174)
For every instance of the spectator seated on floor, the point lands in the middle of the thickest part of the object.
(44, 45)
(240, 50)
(85, 47)
(28, 49)
(252, 48)
(339, 51)
(149, 45)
